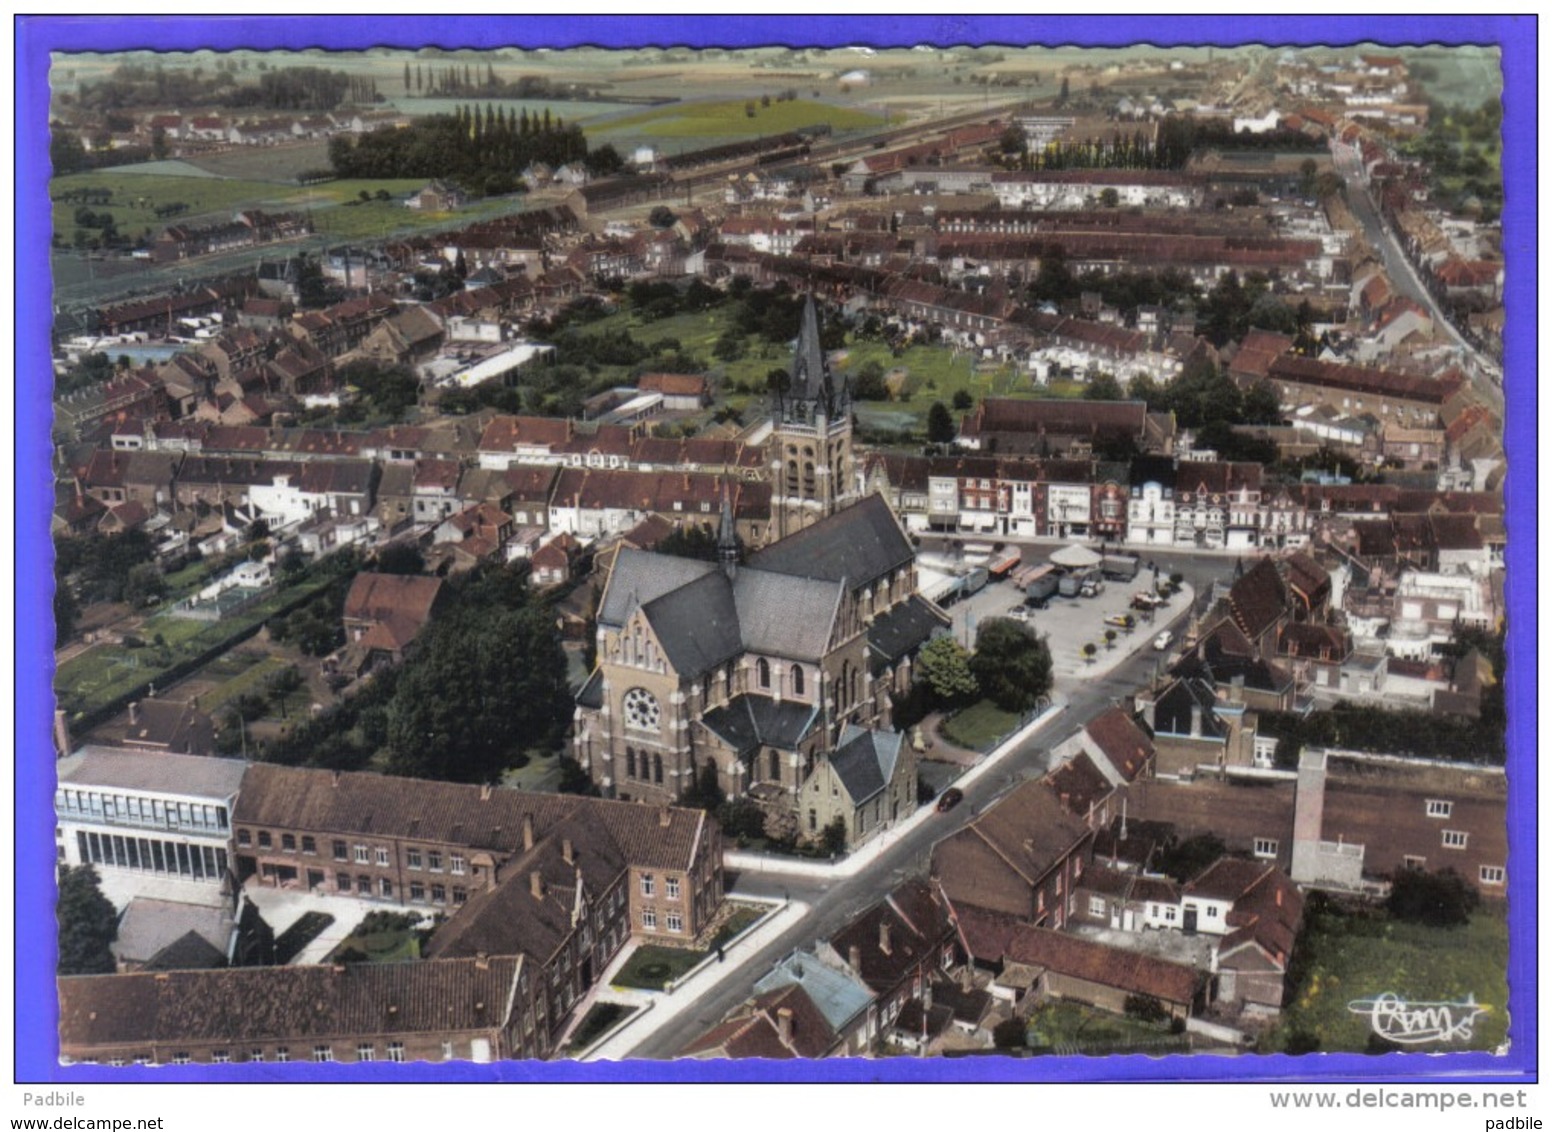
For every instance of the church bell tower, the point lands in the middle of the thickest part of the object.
(812, 469)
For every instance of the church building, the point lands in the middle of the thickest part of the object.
(777, 670)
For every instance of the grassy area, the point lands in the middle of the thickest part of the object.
(602, 1017)
(1357, 955)
(979, 725)
(398, 943)
(137, 195)
(650, 967)
(1073, 1028)
(255, 675)
(731, 119)
(104, 672)
(741, 919)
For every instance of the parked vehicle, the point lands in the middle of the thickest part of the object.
(1163, 640)
(1093, 587)
(1020, 613)
(1122, 567)
(1042, 586)
(1118, 621)
(949, 799)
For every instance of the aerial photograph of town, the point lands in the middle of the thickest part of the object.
(931, 550)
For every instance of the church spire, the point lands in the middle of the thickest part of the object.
(727, 536)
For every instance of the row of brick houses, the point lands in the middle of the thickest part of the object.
(541, 891)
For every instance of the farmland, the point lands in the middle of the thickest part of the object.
(732, 118)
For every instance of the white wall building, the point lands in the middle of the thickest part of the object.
(153, 824)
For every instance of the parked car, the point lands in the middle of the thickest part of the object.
(1162, 641)
(1092, 588)
(949, 799)
(1118, 621)
(1020, 613)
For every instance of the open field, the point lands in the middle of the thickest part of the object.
(1360, 955)
(731, 118)
(136, 196)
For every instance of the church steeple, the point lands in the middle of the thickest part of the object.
(727, 537)
(810, 446)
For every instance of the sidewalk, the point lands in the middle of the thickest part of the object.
(658, 1008)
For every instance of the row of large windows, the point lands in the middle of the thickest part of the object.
(151, 855)
(138, 810)
(415, 857)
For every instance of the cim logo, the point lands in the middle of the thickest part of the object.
(1416, 1023)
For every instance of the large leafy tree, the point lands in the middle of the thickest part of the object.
(943, 667)
(489, 686)
(1011, 664)
(88, 923)
(940, 424)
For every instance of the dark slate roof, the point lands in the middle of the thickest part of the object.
(697, 624)
(864, 761)
(640, 577)
(747, 722)
(811, 377)
(592, 693)
(767, 605)
(905, 628)
(190, 951)
(858, 546)
(1224, 668)
(1172, 713)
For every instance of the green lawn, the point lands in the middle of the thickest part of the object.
(1359, 955)
(1073, 1028)
(731, 119)
(650, 966)
(740, 920)
(979, 725)
(103, 672)
(136, 196)
(601, 1017)
(253, 678)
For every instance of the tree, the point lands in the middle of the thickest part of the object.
(400, 558)
(1109, 198)
(144, 585)
(1261, 404)
(1440, 900)
(943, 667)
(1103, 387)
(1011, 664)
(88, 923)
(835, 836)
(1090, 650)
(963, 400)
(66, 612)
(1186, 860)
(1110, 638)
(940, 424)
(869, 384)
(489, 684)
(662, 217)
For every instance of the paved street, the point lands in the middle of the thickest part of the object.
(829, 902)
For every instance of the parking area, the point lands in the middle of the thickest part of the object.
(1069, 623)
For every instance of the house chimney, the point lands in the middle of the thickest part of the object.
(485, 792)
(482, 960)
(536, 885)
(854, 957)
(784, 1024)
(883, 937)
(528, 832)
(665, 818)
(565, 851)
(1196, 721)
(336, 779)
(134, 713)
